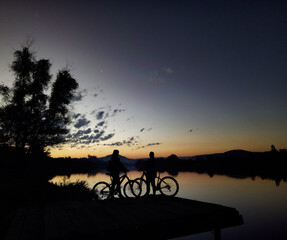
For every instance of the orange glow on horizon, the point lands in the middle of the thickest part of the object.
(160, 151)
(124, 151)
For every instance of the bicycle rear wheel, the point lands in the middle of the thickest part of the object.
(143, 186)
(168, 186)
(101, 191)
(132, 189)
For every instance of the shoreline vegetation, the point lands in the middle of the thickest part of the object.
(26, 180)
(235, 163)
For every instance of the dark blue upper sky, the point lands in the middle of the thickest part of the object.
(202, 76)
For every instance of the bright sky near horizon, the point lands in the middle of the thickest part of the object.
(173, 77)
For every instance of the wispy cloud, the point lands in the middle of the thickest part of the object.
(132, 119)
(116, 111)
(131, 141)
(80, 95)
(144, 129)
(148, 145)
(105, 112)
(100, 115)
(169, 70)
(192, 130)
(100, 124)
(153, 144)
(75, 116)
(82, 135)
(82, 122)
(98, 135)
(107, 137)
(156, 78)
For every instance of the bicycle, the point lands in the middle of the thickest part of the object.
(167, 186)
(102, 190)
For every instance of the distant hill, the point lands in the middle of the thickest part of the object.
(235, 163)
(124, 160)
(239, 164)
(238, 153)
(229, 154)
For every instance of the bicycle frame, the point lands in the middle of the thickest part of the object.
(157, 182)
(123, 177)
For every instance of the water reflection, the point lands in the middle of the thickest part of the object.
(262, 204)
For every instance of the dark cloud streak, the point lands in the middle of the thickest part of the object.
(100, 115)
(148, 145)
(80, 95)
(82, 122)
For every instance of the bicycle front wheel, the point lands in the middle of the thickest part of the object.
(132, 189)
(168, 186)
(101, 191)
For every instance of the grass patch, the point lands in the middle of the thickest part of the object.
(66, 190)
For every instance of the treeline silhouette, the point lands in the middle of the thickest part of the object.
(68, 165)
(47, 167)
(235, 163)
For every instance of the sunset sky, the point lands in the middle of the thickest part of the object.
(173, 77)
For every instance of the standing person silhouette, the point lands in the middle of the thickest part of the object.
(151, 173)
(114, 168)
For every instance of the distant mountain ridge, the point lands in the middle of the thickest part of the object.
(124, 160)
(235, 163)
(237, 153)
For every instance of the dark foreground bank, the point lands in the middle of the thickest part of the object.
(160, 217)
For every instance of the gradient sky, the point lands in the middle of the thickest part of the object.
(173, 77)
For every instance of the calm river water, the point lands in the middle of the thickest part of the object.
(262, 204)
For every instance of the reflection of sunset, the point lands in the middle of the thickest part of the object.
(92, 179)
(260, 202)
(233, 192)
(218, 189)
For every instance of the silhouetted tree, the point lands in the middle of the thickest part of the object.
(273, 149)
(283, 151)
(93, 158)
(30, 118)
(172, 164)
(172, 158)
